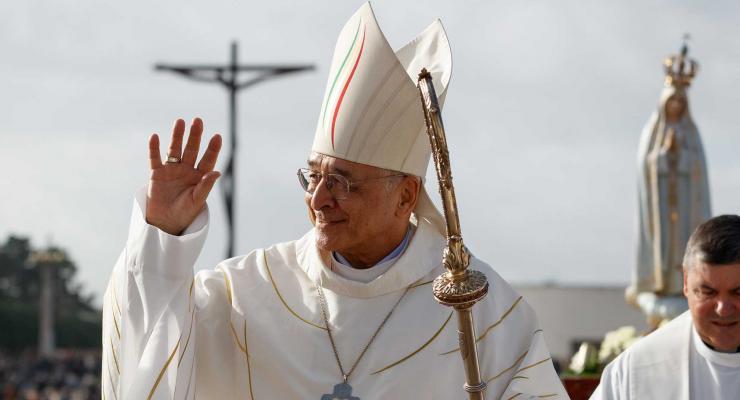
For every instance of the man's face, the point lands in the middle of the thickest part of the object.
(713, 293)
(355, 224)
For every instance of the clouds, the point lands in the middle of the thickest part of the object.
(545, 108)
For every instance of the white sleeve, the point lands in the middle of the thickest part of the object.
(614, 383)
(149, 309)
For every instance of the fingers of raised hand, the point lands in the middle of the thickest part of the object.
(208, 162)
(178, 131)
(155, 160)
(200, 193)
(193, 145)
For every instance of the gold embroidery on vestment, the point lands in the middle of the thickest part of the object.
(190, 294)
(110, 379)
(533, 365)
(115, 359)
(246, 356)
(115, 323)
(236, 338)
(413, 353)
(115, 297)
(280, 296)
(518, 360)
(164, 368)
(490, 328)
(227, 282)
(416, 285)
(187, 341)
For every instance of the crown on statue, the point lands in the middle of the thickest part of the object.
(679, 68)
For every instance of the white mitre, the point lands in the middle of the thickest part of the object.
(371, 113)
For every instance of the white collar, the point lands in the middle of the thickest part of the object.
(731, 360)
(423, 254)
(341, 266)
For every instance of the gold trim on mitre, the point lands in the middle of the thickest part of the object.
(371, 112)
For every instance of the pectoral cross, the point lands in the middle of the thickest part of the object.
(342, 391)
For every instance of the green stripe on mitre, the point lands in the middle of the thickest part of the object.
(339, 72)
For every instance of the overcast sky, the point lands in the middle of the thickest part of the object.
(543, 115)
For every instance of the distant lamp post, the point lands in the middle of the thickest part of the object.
(228, 76)
(47, 262)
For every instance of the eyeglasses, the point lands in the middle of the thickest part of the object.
(338, 185)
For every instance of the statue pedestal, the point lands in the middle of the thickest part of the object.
(660, 308)
(580, 387)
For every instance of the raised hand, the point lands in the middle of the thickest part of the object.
(178, 190)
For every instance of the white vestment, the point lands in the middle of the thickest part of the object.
(252, 327)
(671, 363)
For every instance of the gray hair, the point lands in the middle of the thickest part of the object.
(392, 182)
(715, 242)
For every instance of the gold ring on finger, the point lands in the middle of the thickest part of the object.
(173, 160)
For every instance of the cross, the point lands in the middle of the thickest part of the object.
(228, 76)
(342, 391)
(685, 47)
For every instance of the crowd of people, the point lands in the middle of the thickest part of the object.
(67, 375)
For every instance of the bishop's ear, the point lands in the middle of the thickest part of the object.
(409, 187)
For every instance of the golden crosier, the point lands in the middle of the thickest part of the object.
(458, 287)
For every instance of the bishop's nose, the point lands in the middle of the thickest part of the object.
(322, 197)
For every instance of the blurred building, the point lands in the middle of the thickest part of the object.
(573, 314)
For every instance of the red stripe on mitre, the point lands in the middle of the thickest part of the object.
(346, 85)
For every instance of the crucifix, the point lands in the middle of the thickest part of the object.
(342, 391)
(228, 76)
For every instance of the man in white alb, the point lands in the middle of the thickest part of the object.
(346, 311)
(696, 355)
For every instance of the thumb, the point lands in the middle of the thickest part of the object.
(200, 193)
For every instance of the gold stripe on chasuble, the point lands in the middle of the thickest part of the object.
(244, 349)
(416, 285)
(227, 282)
(236, 338)
(413, 353)
(115, 296)
(280, 296)
(190, 294)
(512, 366)
(187, 341)
(518, 360)
(533, 365)
(542, 396)
(246, 357)
(110, 379)
(115, 359)
(490, 328)
(164, 368)
(115, 323)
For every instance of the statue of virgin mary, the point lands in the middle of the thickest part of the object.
(673, 196)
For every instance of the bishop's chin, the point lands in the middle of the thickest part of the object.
(324, 241)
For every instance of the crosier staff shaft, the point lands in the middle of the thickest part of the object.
(458, 287)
